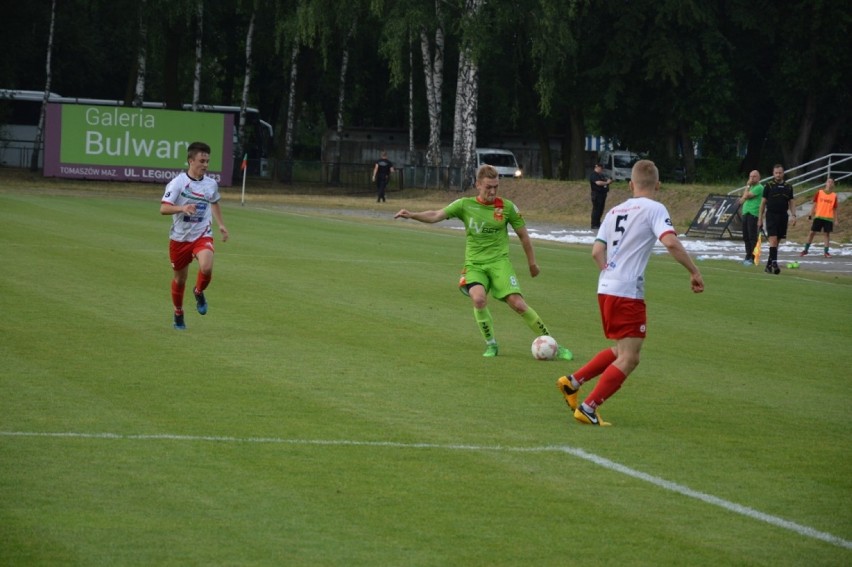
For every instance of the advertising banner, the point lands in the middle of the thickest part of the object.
(121, 143)
(719, 216)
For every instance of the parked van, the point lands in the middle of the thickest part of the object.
(617, 165)
(503, 160)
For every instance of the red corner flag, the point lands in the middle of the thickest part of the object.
(243, 167)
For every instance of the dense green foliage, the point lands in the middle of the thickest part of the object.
(333, 408)
(657, 76)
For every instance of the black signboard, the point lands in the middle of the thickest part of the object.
(719, 217)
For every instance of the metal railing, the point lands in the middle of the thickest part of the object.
(17, 153)
(812, 175)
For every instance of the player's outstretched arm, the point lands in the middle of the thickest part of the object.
(679, 253)
(424, 216)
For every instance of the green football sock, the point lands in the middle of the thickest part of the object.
(485, 322)
(534, 322)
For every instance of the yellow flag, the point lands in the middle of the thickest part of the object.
(756, 251)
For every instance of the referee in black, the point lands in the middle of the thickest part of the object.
(776, 203)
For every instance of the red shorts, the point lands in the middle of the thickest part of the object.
(622, 317)
(182, 253)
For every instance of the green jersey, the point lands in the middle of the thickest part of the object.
(751, 206)
(486, 227)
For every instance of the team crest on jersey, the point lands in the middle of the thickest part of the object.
(498, 210)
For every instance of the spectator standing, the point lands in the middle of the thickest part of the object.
(750, 201)
(381, 176)
(600, 187)
(824, 214)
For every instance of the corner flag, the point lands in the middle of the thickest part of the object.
(756, 251)
(244, 166)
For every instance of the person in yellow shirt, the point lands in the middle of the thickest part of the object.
(824, 214)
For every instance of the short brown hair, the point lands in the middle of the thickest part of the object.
(196, 148)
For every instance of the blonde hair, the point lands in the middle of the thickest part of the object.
(486, 171)
(645, 174)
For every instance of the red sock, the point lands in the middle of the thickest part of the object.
(595, 366)
(202, 281)
(611, 380)
(177, 296)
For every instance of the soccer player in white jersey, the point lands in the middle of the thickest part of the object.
(192, 198)
(621, 251)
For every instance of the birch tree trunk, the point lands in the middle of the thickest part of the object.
(467, 105)
(48, 75)
(410, 102)
(461, 85)
(199, 32)
(141, 55)
(341, 97)
(241, 140)
(470, 107)
(291, 117)
(433, 69)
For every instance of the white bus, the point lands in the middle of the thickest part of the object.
(19, 116)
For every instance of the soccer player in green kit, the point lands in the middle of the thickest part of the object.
(487, 268)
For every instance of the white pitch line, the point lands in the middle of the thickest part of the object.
(579, 453)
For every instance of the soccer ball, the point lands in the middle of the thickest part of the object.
(544, 348)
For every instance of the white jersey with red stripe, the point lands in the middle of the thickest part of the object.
(202, 193)
(630, 231)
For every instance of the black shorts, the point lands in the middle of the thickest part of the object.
(820, 225)
(776, 224)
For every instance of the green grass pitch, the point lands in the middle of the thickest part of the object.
(333, 407)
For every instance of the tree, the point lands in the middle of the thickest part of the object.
(467, 97)
(327, 26)
(199, 34)
(47, 77)
(246, 80)
(400, 25)
(557, 64)
(668, 65)
(141, 54)
(291, 112)
(433, 70)
(403, 19)
(659, 76)
(814, 66)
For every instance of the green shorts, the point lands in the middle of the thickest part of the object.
(497, 277)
